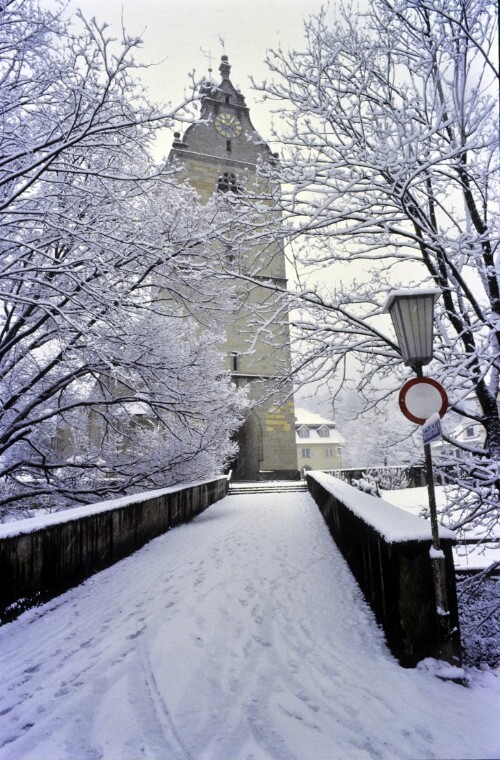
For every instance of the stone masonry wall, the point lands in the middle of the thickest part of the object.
(395, 578)
(36, 565)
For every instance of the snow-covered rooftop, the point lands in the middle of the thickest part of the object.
(313, 422)
(305, 417)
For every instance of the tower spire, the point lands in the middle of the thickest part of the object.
(224, 68)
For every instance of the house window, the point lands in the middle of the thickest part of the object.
(469, 432)
(306, 453)
(228, 146)
(324, 432)
(329, 453)
(303, 432)
(234, 361)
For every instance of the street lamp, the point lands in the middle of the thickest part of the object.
(412, 314)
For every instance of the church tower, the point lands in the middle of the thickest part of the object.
(220, 154)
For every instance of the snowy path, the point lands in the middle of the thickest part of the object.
(239, 636)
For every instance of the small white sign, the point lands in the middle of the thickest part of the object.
(431, 429)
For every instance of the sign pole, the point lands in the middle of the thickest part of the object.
(438, 562)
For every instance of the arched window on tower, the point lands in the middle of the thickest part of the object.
(228, 182)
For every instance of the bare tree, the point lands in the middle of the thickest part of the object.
(107, 384)
(373, 436)
(388, 123)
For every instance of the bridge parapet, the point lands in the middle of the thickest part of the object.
(387, 551)
(42, 556)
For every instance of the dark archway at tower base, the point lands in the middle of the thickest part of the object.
(249, 438)
(248, 464)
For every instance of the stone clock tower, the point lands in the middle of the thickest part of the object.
(221, 154)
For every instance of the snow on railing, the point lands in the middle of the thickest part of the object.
(394, 524)
(39, 522)
(43, 556)
(387, 551)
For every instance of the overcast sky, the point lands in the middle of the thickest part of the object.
(177, 33)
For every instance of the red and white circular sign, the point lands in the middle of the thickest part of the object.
(422, 397)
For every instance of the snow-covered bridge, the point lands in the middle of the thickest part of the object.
(241, 635)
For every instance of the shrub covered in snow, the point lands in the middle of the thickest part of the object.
(390, 478)
(367, 485)
(479, 611)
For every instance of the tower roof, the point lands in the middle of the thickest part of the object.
(224, 132)
(212, 92)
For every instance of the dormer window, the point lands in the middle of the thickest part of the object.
(303, 432)
(324, 432)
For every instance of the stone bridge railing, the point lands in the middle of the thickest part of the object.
(43, 556)
(387, 551)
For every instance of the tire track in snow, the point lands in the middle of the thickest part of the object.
(291, 636)
(154, 714)
(264, 631)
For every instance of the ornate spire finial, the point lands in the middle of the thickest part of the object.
(224, 68)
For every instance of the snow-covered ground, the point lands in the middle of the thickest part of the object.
(239, 636)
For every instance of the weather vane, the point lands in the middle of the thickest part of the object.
(208, 54)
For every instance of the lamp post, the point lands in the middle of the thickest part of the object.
(412, 314)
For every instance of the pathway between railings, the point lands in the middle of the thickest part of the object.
(239, 636)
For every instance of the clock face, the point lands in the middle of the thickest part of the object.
(227, 125)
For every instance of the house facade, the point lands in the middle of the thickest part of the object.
(319, 443)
